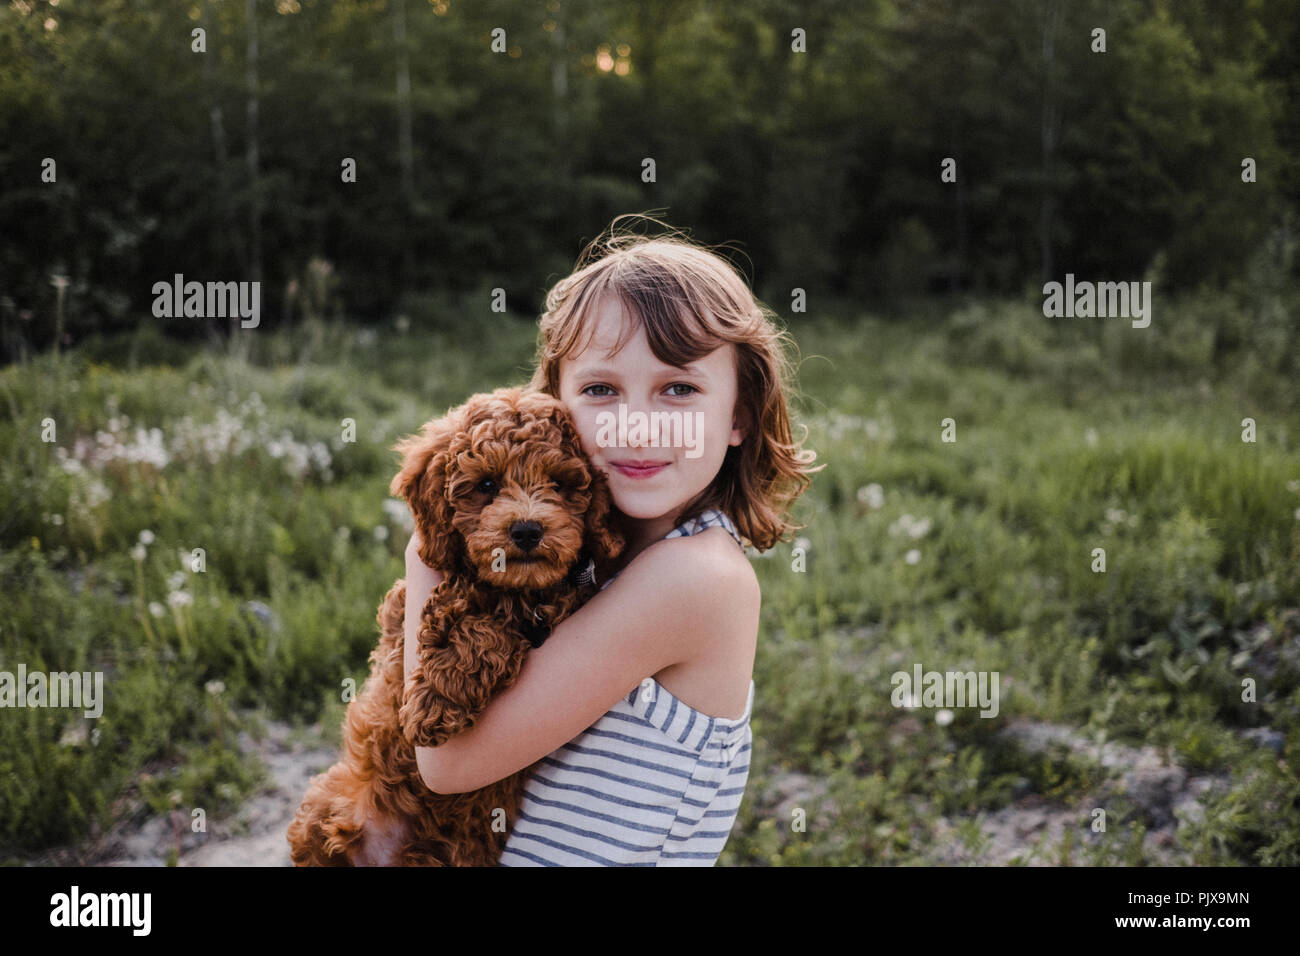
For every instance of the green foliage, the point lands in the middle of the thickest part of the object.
(824, 161)
(1201, 541)
(972, 555)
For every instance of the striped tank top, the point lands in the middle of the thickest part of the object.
(654, 782)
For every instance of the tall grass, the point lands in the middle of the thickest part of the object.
(974, 554)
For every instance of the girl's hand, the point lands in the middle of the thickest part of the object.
(679, 600)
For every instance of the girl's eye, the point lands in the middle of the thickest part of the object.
(610, 391)
(487, 486)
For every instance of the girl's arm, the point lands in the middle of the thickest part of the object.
(420, 582)
(669, 605)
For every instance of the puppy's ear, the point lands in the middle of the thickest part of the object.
(422, 482)
(602, 536)
(600, 532)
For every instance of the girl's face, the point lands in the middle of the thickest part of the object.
(659, 433)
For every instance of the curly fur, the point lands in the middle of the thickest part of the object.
(372, 808)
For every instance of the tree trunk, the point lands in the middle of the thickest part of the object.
(229, 235)
(405, 152)
(559, 77)
(957, 274)
(1050, 128)
(255, 203)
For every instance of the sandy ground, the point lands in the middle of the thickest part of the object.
(1031, 829)
(255, 836)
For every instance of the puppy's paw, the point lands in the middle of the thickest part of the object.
(428, 722)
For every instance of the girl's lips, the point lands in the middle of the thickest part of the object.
(638, 472)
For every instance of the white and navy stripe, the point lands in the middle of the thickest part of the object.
(653, 782)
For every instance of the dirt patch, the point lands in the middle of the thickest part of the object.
(1033, 830)
(253, 836)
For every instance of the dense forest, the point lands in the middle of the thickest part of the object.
(365, 157)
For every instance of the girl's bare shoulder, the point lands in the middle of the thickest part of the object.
(714, 679)
(712, 550)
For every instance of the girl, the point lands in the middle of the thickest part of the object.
(645, 770)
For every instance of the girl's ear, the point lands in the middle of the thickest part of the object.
(741, 425)
(422, 482)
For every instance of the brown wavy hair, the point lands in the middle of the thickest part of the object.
(691, 301)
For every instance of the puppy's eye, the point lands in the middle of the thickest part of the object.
(487, 486)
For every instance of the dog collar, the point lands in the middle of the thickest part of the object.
(582, 574)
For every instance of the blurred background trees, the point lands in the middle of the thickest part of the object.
(477, 169)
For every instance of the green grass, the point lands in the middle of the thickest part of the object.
(1068, 439)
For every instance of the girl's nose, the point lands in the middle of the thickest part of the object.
(648, 426)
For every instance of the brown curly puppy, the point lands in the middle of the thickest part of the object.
(515, 516)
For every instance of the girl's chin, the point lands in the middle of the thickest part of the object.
(643, 507)
(641, 512)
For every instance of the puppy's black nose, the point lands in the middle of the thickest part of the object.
(526, 534)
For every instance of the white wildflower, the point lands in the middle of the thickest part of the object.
(873, 496)
(75, 736)
(912, 526)
(96, 493)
